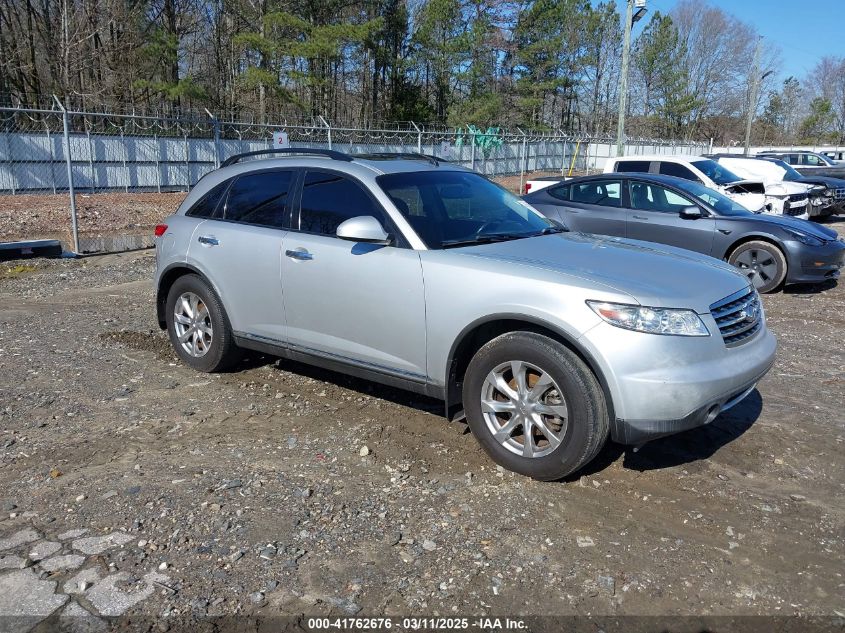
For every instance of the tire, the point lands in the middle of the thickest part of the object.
(213, 340)
(559, 377)
(763, 263)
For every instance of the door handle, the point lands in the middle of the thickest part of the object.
(300, 254)
(639, 217)
(208, 240)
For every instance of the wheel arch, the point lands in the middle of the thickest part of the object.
(755, 237)
(165, 282)
(479, 332)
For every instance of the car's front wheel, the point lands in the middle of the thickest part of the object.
(534, 406)
(763, 263)
(199, 327)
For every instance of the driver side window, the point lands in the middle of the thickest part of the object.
(328, 199)
(649, 197)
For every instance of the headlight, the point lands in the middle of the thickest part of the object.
(650, 320)
(804, 238)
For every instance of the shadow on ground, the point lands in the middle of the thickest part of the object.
(810, 289)
(683, 448)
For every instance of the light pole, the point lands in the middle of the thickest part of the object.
(631, 16)
(753, 94)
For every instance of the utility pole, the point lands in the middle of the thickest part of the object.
(752, 94)
(630, 18)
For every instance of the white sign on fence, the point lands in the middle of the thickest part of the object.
(280, 140)
(445, 149)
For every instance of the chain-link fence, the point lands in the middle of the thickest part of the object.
(100, 182)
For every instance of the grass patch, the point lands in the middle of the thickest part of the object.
(16, 271)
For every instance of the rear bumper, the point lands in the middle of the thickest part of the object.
(812, 264)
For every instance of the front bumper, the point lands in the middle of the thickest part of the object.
(661, 385)
(812, 264)
(639, 431)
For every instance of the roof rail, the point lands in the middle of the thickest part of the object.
(288, 150)
(408, 155)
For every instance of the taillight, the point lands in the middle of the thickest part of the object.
(527, 187)
(160, 229)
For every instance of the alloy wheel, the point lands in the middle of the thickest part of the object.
(524, 409)
(192, 323)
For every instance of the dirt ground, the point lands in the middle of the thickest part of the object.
(47, 216)
(283, 490)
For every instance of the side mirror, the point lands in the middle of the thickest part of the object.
(690, 213)
(364, 228)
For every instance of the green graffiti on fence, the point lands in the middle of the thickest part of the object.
(487, 141)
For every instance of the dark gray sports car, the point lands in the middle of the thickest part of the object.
(771, 250)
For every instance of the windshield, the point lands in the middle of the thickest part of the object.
(721, 203)
(455, 208)
(716, 172)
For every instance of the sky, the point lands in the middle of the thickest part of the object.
(805, 30)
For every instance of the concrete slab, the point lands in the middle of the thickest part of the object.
(43, 549)
(25, 600)
(70, 534)
(77, 619)
(62, 563)
(113, 595)
(10, 561)
(99, 544)
(19, 538)
(86, 578)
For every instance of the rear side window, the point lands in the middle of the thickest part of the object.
(679, 171)
(329, 199)
(635, 166)
(606, 193)
(561, 193)
(259, 198)
(207, 205)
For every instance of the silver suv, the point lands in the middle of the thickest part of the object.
(420, 274)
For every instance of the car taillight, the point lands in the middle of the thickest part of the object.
(160, 229)
(527, 187)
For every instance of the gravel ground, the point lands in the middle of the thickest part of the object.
(281, 489)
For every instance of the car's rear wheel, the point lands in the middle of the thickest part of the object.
(534, 406)
(199, 327)
(763, 263)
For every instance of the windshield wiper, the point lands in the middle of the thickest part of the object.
(485, 239)
(553, 229)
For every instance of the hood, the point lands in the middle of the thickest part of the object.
(786, 188)
(827, 181)
(835, 172)
(654, 275)
(785, 221)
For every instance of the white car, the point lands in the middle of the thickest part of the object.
(785, 197)
(535, 184)
(751, 194)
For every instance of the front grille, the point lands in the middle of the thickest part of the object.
(738, 316)
(838, 193)
(798, 197)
